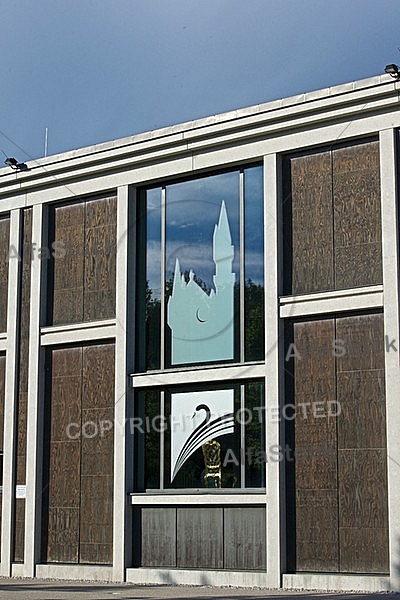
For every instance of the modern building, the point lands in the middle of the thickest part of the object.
(199, 351)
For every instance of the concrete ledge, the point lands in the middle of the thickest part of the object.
(83, 572)
(198, 577)
(336, 582)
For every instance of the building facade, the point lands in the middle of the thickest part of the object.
(199, 351)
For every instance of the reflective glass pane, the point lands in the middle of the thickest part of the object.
(254, 264)
(202, 269)
(153, 279)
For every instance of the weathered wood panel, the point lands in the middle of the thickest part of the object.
(357, 215)
(362, 463)
(245, 538)
(332, 219)
(80, 458)
(341, 499)
(100, 259)
(308, 189)
(64, 407)
(315, 468)
(158, 537)
(23, 384)
(68, 270)
(200, 538)
(4, 250)
(84, 279)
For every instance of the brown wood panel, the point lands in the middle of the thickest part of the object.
(4, 250)
(317, 543)
(68, 270)
(312, 223)
(362, 423)
(23, 383)
(245, 538)
(63, 535)
(357, 215)
(80, 475)
(84, 279)
(363, 489)
(100, 260)
(158, 537)
(363, 341)
(98, 376)
(357, 545)
(354, 472)
(200, 538)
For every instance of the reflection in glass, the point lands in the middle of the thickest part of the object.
(202, 254)
(211, 444)
(153, 279)
(254, 264)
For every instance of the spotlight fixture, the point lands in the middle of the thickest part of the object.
(14, 164)
(393, 71)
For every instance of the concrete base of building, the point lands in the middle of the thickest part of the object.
(199, 577)
(79, 572)
(335, 582)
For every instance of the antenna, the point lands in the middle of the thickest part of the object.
(45, 140)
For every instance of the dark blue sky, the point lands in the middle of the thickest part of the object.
(96, 70)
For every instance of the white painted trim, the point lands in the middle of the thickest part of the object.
(122, 525)
(78, 572)
(330, 302)
(276, 498)
(390, 248)
(198, 497)
(285, 113)
(10, 400)
(77, 334)
(212, 374)
(3, 344)
(331, 582)
(76, 326)
(34, 448)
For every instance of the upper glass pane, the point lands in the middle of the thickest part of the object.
(202, 268)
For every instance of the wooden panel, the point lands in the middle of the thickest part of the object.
(317, 543)
(158, 537)
(356, 546)
(245, 538)
(100, 259)
(23, 383)
(363, 341)
(4, 250)
(357, 215)
(63, 535)
(84, 279)
(64, 456)
(316, 448)
(80, 473)
(68, 269)
(349, 485)
(311, 231)
(200, 538)
(97, 450)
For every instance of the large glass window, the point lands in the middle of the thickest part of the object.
(200, 297)
(201, 437)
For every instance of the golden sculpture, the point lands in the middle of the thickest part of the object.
(212, 460)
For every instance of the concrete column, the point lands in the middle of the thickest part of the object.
(34, 445)
(275, 480)
(390, 249)
(122, 537)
